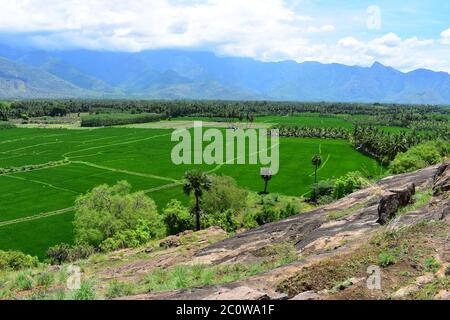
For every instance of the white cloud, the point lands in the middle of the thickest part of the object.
(269, 30)
(326, 28)
(351, 43)
(445, 36)
(390, 49)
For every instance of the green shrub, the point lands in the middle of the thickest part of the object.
(177, 218)
(132, 238)
(106, 211)
(118, 289)
(288, 211)
(63, 252)
(223, 195)
(45, 279)
(386, 258)
(23, 282)
(420, 156)
(226, 220)
(266, 215)
(86, 292)
(431, 265)
(15, 260)
(349, 183)
(321, 189)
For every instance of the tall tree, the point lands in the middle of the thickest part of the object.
(266, 175)
(196, 182)
(316, 161)
(4, 111)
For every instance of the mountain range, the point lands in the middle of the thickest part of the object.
(182, 74)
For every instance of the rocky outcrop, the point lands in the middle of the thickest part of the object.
(442, 180)
(394, 200)
(322, 233)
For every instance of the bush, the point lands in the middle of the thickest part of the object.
(349, 183)
(113, 119)
(226, 220)
(288, 211)
(106, 211)
(118, 289)
(223, 203)
(23, 282)
(63, 252)
(420, 156)
(224, 195)
(266, 215)
(177, 218)
(321, 189)
(15, 260)
(134, 238)
(86, 292)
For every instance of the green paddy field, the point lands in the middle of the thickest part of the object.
(36, 206)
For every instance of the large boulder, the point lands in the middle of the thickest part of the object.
(442, 180)
(393, 200)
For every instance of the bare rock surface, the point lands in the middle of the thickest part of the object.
(320, 233)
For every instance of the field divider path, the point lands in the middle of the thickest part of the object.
(42, 183)
(65, 155)
(37, 216)
(133, 173)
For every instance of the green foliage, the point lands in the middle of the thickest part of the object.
(387, 258)
(106, 211)
(5, 110)
(15, 260)
(420, 156)
(23, 281)
(177, 218)
(224, 195)
(349, 183)
(196, 182)
(431, 265)
(132, 238)
(227, 220)
(289, 210)
(63, 252)
(266, 215)
(223, 203)
(321, 189)
(118, 289)
(45, 279)
(86, 292)
(113, 119)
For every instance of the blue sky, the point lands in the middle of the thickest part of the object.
(404, 34)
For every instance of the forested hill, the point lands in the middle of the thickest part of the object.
(177, 74)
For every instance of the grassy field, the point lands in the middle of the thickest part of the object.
(36, 206)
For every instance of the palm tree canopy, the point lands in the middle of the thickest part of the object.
(196, 181)
(317, 160)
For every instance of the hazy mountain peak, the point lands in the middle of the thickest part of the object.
(177, 74)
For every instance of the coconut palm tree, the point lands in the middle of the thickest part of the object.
(196, 181)
(316, 161)
(266, 175)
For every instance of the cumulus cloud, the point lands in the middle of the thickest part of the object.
(390, 49)
(445, 36)
(269, 30)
